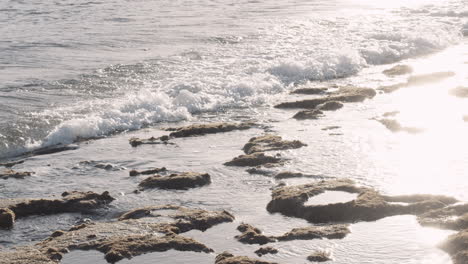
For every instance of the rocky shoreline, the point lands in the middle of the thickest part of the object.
(161, 227)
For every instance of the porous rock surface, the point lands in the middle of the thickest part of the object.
(252, 235)
(270, 142)
(265, 250)
(254, 159)
(6, 174)
(182, 181)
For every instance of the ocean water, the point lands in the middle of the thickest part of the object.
(96, 73)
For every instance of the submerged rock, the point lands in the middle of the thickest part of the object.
(70, 202)
(228, 258)
(255, 159)
(461, 92)
(265, 250)
(308, 114)
(330, 106)
(310, 91)
(252, 235)
(270, 142)
(398, 70)
(395, 126)
(11, 163)
(203, 129)
(126, 238)
(457, 247)
(344, 95)
(6, 174)
(319, 256)
(316, 232)
(53, 149)
(289, 174)
(135, 142)
(147, 172)
(180, 181)
(330, 128)
(368, 206)
(7, 218)
(453, 217)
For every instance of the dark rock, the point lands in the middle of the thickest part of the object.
(308, 114)
(461, 92)
(270, 142)
(330, 128)
(104, 166)
(266, 250)
(395, 126)
(288, 175)
(252, 235)
(135, 142)
(330, 106)
(316, 232)
(11, 163)
(7, 218)
(71, 202)
(368, 206)
(57, 233)
(344, 95)
(398, 70)
(255, 159)
(310, 91)
(259, 171)
(457, 247)
(228, 258)
(203, 129)
(14, 174)
(135, 214)
(319, 256)
(181, 181)
(147, 172)
(53, 149)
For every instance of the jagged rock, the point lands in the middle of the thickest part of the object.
(135, 142)
(181, 181)
(316, 232)
(126, 238)
(203, 129)
(453, 217)
(228, 258)
(310, 91)
(461, 92)
(457, 247)
(11, 163)
(147, 172)
(252, 235)
(395, 126)
(5, 174)
(70, 202)
(345, 95)
(255, 159)
(266, 250)
(398, 70)
(308, 114)
(319, 256)
(7, 218)
(330, 106)
(368, 206)
(270, 142)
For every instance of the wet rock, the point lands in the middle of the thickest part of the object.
(53, 149)
(180, 181)
(319, 256)
(344, 95)
(316, 232)
(70, 202)
(270, 142)
(398, 70)
(259, 171)
(252, 235)
(461, 92)
(368, 206)
(310, 91)
(457, 247)
(11, 163)
(7, 218)
(330, 106)
(266, 250)
(451, 217)
(255, 159)
(289, 174)
(228, 258)
(203, 129)
(395, 126)
(127, 238)
(6, 174)
(330, 128)
(308, 114)
(135, 142)
(147, 172)
(135, 214)
(104, 166)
